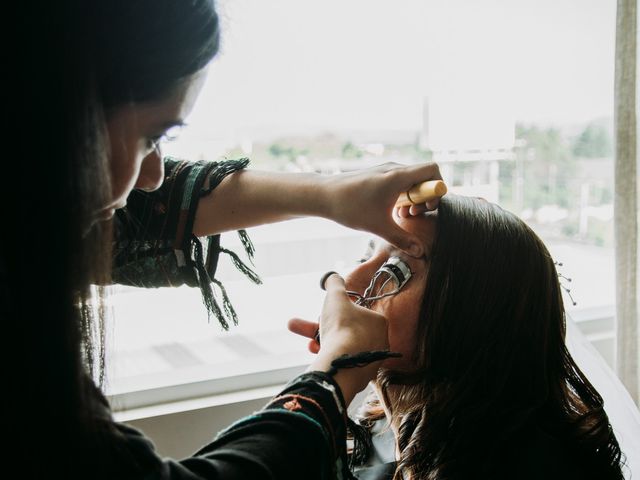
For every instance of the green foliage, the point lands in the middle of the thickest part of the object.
(548, 165)
(276, 150)
(553, 168)
(349, 150)
(593, 142)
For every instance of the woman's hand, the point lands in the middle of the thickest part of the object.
(365, 200)
(345, 328)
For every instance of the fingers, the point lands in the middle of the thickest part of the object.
(302, 327)
(334, 284)
(418, 172)
(413, 174)
(324, 278)
(314, 347)
(433, 204)
(407, 177)
(337, 297)
(414, 210)
(403, 212)
(307, 329)
(419, 208)
(405, 241)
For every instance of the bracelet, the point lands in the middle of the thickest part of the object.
(360, 359)
(322, 380)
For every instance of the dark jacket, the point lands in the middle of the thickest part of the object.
(301, 433)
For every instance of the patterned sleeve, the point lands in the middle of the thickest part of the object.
(301, 433)
(311, 407)
(154, 245)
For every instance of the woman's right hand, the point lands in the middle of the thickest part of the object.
(345, 328)
(365, 200)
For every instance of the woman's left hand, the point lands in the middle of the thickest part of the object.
(365, 200)
(345, 328)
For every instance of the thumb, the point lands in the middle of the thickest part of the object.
(334, 284)
(405, 241)
(336, 293)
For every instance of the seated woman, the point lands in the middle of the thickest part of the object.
(485, 387)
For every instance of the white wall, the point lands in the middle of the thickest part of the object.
(180, 434)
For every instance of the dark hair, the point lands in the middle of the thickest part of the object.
(491, 361)
(145, 48)
(74, 61)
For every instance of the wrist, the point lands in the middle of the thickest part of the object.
(354, 380)
(351, 380)
(351, 376)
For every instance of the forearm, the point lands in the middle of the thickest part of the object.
(248, 198)
(363, 200)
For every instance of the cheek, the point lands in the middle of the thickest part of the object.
(402, 334)
(125, 167)
(402, 316)
(358, 280)
(401, 310)
(126, 148)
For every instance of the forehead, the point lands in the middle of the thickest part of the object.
(167, 111)
(176, 106)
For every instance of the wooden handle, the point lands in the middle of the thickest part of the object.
(422, 192)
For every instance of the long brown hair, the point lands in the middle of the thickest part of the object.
(491, 360)
(75, 60)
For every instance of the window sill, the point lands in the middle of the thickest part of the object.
(595, 323)
(212, 401)
(218, 391)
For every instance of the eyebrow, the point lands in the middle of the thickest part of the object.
(390, 249)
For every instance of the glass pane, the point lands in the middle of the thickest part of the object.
(513, 99)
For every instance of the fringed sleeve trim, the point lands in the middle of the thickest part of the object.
(189, 248)
(156, 247)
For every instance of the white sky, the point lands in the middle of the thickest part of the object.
(368, 64)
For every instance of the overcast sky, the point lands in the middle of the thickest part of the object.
(369, 64)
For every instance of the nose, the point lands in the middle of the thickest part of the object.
(151, 172)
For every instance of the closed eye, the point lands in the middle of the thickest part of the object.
(169, 135)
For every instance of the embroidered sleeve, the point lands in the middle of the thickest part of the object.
(154, 244)
(299, 434)
(312, 399)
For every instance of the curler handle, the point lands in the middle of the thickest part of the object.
(421, 192)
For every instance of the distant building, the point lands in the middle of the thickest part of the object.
(468, 137)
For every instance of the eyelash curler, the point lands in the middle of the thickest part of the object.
(393, 274)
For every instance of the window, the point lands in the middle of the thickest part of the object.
(512, 99)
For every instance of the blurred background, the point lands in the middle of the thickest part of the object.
(513, 99)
